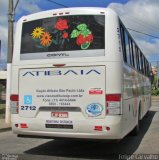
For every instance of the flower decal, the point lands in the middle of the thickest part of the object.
(61, 24)
(82, 27)
(41, 38)
(84, 36)
(62, 33)
(65, 35)
(45, 39)
(37, 32)
(80, 40)
(89, 38)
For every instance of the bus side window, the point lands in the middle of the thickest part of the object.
(126, 37)
(134, 55)
(142, 62)
(131, 52)
(146, 72)
(138, 58)
(149, 70)
(123, 43)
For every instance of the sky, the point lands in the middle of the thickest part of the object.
(140, 15)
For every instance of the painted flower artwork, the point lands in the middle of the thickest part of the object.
(66, 35)
(37, 32)
(61, 24)
(45, 39)
(84, 36)
(60, 31)
(42, 38)
(61, 34)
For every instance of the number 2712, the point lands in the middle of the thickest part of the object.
(28, 107)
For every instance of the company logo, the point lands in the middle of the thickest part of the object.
(95, 91)
(27, 99)
(60, 72)
(94, 109)
(58, 54)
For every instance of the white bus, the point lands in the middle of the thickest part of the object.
(77, 73)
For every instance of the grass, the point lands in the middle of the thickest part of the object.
(2, 111)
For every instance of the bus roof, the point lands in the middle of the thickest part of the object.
(59, 11)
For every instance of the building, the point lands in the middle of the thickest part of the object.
(154, 78)
(3, 78)
(154, 70)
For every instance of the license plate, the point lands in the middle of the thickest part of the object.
(59, 114)
(64, 126)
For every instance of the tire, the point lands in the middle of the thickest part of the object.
(147, 114)
(135, 131)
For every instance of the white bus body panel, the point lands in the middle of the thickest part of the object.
(62, 87)
(83, 124)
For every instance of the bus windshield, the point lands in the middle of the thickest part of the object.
(63, 37)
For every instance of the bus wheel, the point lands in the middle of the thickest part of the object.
(135, 131)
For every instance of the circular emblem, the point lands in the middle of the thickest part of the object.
(94, 109)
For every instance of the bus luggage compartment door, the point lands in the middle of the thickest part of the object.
(62, 90)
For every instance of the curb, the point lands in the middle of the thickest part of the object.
(155, 100)
(5, 129)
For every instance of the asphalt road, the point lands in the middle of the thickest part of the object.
(147, 142)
